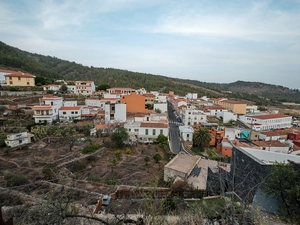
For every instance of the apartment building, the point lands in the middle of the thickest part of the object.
(19, 79)
(85, 87)
(236, 107)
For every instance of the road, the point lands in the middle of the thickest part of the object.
(176, 145)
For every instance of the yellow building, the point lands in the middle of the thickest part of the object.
(19, 79)
(236, 107)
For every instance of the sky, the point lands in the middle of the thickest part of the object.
(206, 40)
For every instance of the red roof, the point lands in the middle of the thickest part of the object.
(70, 108)
(19, 74)
(270, 116)
(42, 107)
(155, 125)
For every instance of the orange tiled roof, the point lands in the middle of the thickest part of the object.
(155, 125)
(274, 143)
(19, 74)
(42, 107)
(270, 116)
(70, 108)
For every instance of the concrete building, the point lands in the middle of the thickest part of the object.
(120, 91)
(48, 109)
(163, 107)
(95, 102)
(236, 107)
(192, 116)
(225, 117)
(52, 87)
(69, 113)
(14, 140)
(135, 103)
(186, 133)
(85, 88)
(192, 169)
(267, 121)
(115, 113)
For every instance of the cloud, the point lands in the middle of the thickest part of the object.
(255, 21)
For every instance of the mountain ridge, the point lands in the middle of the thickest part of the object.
(48, 68)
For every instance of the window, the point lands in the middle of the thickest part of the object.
(161, 132)
(136, 130)
(19, 78)
(64, 113)
(72, 112)
(129, 129)
(10, 78)
(10, 82)
(76, 112)
(153, 132)
(146, 131)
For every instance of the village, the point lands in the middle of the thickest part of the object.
(116, 144)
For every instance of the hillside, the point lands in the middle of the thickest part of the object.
(47, 69)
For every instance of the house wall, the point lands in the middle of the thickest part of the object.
(226, 151)
(94, 102)
(69, 115)
(20, 81)
(70, 103)
(227, 116)
(162, 106)
(171, 173)
(120, 112)
(134, 102)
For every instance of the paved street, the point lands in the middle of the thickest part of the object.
(176, 145)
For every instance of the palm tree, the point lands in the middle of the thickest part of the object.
(201, 138)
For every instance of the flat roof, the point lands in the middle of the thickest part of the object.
(271, 157)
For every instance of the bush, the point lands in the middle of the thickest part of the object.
(107, 144)
(49, 171)
(157, 157)
(128, 151)
(110, 181)
(91, 157)
(16, 180)
(90, 148)
(78, 166)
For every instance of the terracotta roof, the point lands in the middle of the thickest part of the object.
(274, 143)
(101, 126)
(19, 74)
(155, 125)
(233, 102)
(270, 116)
(42, 107)
(70, 108)
(108, 99)
(149, 95)
(127, 89)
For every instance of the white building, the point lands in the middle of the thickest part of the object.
(226, 116)
(70, 103)
(266, 121)
(186, 133)
(146, 132)
(115, 113)
(52, 87)
(14, 140)
(191, 116)
(48, 109)
(191, 96)
(95, 102)
(72, 89)
(70, 113)
(163, 107)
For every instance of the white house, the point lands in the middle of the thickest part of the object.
(267, 121)
(192, 116)
(70, 103)
(72, 89)
(186, 133)
(226, 116)
(231, 133)
(115, 112)
(52, 87)
(96, 102)
(191, 96)
(70, 113)
(48, 109)
(213, 110)
(163, 107)
(146, 132)
(14, 140)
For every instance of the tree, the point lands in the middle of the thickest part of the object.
(63, 89)
(162, 139)
(119, 137)
(201, 138)
(103, 87)
(283, 183)
(157, 157)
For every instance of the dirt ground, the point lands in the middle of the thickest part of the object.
(100, 173)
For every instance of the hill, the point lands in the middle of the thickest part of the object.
(47, 69)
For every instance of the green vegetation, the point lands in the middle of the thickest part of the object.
(118, 138)
(15, 179)
(157, 157)
(50, 171)
(201, 138)
(90, 148)
(283, 183)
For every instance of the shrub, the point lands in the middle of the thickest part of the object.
(128, 151)
(91, 157)
(49, 171)
(107, 144)
(16, 180)
(157, 157)
(90, 148)
(110, 181)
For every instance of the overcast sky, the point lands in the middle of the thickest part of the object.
(207, 40)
